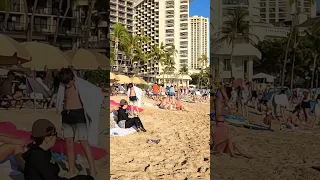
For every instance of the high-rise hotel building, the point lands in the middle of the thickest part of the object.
(273, 11)
(164, 21)
(199, 32)
(121, 11)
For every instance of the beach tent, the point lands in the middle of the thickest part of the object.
(266, 77)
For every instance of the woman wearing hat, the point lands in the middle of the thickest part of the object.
(39, 162)
(123, 119)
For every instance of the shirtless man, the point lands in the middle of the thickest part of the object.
(74, 127)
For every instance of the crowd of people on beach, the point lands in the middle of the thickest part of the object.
(299, 109)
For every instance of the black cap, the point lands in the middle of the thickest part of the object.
(123, 102)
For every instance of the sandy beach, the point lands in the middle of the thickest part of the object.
(24, 119)
(276, 155)
(183, 151)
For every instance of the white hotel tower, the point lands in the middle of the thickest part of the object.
(164, 21)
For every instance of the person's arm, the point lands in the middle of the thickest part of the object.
(122, 115)
(224, 94)
(44, 168)
(6, 139)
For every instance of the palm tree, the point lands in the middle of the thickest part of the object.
(34, 8)
(157, 54)
(133, 48)
(236, 28)
(88, 23)
(203, 60)
(5, 5)
(184, 71)
(57, 24)
(295, 22)
(170, 53)
(118, 37)
(313, 37)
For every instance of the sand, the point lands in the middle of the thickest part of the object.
(24, 119)
(277, 155)
(183, 152)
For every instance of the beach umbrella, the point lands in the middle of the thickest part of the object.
(86, 59)
(123, 79)
(113, 77)
(11, 52)
(45, 56)
(137, 80)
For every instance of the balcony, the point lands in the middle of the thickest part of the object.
(121, 9)
(113, 1)
(122, 3)
(169, 16)
(184, 2)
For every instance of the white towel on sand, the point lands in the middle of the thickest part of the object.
(122, 131)
(92, 98)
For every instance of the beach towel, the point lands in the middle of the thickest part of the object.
(9, 129)
(9, 167)
(92, 98)
(122, 132)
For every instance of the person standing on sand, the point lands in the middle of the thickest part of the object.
(155, 91)
(77, 117)
(134, 95)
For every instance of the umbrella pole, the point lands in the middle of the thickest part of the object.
(34, 93)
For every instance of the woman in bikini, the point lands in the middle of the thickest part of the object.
(220, 137)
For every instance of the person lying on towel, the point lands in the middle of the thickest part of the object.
(123, 118)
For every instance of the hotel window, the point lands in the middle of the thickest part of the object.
(226, 65)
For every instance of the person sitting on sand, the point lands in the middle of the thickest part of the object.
(123, 119)
(178, 105)
(268, 119)
(165, 103)
(39, 162)
(12, 147)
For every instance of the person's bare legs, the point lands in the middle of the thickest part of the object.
(86, 148)
(70, 155)
(12, 149)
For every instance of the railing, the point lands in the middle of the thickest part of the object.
(43, 28)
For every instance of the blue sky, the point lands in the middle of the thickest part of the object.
(200, 8)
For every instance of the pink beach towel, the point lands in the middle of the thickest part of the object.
(8, 128)
(113, 103)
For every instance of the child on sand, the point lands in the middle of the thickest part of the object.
(178, 105)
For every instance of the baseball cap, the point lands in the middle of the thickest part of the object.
(41, 128)
(123, 102)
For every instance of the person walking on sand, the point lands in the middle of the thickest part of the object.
(80, 121)
(155, 91)
(134, 95)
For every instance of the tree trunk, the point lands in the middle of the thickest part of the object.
(35, 4)
(231, 59)
(317, 80)
(5, 22)
(26, 25)
(292, 70)
(115, 51)
(88, 25)
(315, 57)
(288, 45)
(65, 14)
(57, 24)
